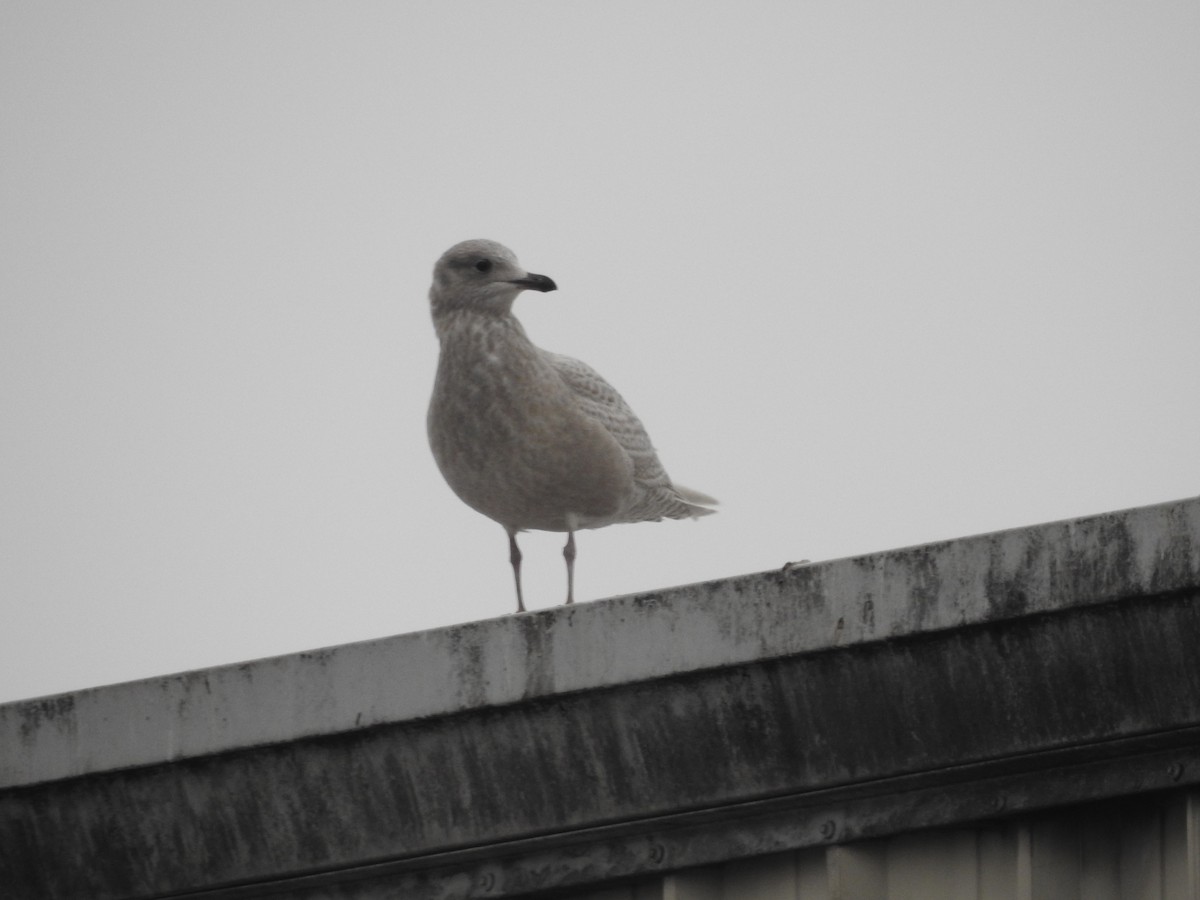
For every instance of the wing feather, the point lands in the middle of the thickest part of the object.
(599, 400)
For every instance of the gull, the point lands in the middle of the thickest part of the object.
(533, 439)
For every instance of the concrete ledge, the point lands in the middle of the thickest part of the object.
(853, 698)
(1080, 562)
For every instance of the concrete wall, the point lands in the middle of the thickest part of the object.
(609, 745)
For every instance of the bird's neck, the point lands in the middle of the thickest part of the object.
(472, 326)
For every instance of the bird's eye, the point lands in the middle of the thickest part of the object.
(484, 265)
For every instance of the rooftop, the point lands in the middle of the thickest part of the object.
(819, 704)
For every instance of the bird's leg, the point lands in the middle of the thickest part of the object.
(514, 557)
(569, 556)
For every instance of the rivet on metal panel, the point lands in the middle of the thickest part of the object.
(487, 882)
(1175, 770)
(657, 853)
(828, 829)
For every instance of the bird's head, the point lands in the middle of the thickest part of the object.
(483, 276)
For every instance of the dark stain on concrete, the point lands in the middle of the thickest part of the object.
(869, 711)
(37, 714)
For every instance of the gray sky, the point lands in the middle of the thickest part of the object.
(872, 274)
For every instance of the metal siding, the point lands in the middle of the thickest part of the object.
(1054, 860)
(996, 872)
(764, 878)
(1147, 850)
(812, 874)
(761, 879)
(694, 884)
(964, 862)
(1100, 849)
(647, 890)
(1023, 889)
(932, 866)
(1141, 854)
(1193, 844)
(1120, 851)
(1175, 850)
(858, 872)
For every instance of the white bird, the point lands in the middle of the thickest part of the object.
(529, 438)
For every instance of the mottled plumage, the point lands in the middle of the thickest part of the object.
(529, 438)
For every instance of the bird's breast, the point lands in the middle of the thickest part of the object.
(513, 443)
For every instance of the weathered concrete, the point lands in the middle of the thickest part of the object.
(1151, 550)
(1050, 664)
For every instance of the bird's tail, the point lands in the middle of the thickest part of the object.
(699, 504)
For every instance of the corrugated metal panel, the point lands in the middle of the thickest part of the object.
(649, 890)
(696, 884)
(1183, 849)
(946, 868)
(999, 858)
(771, 878)
(1130, 850)
(812, 882)
(857, 870)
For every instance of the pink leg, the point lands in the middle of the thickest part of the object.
(569, 555)
(514, 557)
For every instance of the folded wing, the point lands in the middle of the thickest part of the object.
(655, 496)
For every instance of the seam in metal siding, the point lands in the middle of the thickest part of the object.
(1192, 814)
(1147, 849)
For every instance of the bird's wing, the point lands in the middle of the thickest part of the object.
(600, 401)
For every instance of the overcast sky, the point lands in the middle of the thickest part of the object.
(872, 274)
